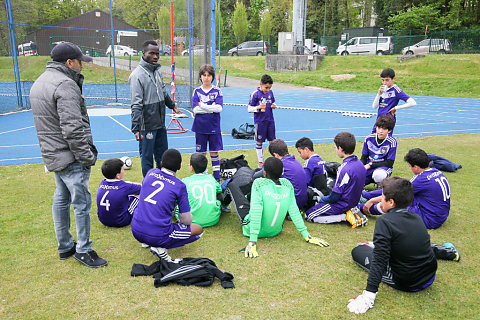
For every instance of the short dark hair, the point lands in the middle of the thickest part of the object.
(149, 43)
(199, 162)
(387, 73)
(346, 141)
(274, 168)
(417, 157)
(385, 122)
(172, 160)
(279, 147)
(303, 143)
(206, 68)
(398, 189)
(266, 79)
(112, 167)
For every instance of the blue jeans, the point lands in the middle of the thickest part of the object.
(72, 189)
(154, 143)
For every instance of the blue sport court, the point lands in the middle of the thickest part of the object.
(111, 125)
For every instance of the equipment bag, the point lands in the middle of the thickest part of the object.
(228, 167)
(245, 131)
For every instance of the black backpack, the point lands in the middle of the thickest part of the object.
(228, 167)
(245, 131)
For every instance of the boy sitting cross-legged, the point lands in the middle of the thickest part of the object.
(203, 190)
(271, 198)
(116, 199)
(152, 220)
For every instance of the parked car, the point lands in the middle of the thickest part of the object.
(121, 51)
(27, 49)
(250, 48)
(165, 49)
(198, 50)
(441, 46)
(366, 46)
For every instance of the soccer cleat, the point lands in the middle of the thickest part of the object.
(363, 218)
(161, 253)
(356, 218)
(144, 245)
(452, 246)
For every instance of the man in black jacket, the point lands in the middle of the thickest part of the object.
(401, 254)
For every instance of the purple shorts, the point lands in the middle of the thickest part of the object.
(178, 236)
(214, 141)
(265, 130)
(324, 209)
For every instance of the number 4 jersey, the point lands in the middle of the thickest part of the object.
(269, 205)
(202, 195)
(431, 197)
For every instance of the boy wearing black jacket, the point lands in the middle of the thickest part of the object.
(401, 255)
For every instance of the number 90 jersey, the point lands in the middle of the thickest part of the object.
(161, 192)
(202, 196)
(269, 205)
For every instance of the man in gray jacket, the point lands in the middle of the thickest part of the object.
(66, 143)
(149, 98)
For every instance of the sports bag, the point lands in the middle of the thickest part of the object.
(228, 167)
(245, 131)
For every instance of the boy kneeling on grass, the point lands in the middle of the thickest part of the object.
(271, 198)
(152, 219)
(401, 254)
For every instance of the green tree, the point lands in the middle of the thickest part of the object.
(281, 12)
(266, 25)
(415, 19)
(240, 22)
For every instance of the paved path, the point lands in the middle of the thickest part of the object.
(182, 74)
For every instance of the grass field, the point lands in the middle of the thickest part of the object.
(290, 279)
(434, 75)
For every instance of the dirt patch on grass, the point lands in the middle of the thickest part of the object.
(340, 77)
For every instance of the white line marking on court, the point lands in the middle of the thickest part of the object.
(17, 129)
(20, 145)
(121, 124)
(18, 159)
(191, 113)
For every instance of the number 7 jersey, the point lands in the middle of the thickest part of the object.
(269, 205)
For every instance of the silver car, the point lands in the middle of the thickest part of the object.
(250, 48)
(427, 46)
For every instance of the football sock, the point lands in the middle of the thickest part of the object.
(216, 167)
(259, 150)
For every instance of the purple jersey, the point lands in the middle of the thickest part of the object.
(378, 152)
(431, 197)
(314, 166)
(161, 191)
(256, 99)
(207, 123)
(113, 201)
(350, 182)
(390, 99)
(293, 171)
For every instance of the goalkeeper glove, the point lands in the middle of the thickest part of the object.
(316, 241)
(251, 250)
(362, 303)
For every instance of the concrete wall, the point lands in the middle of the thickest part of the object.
(292, 62)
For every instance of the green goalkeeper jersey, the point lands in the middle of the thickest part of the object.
(202, 195)
(269, 205)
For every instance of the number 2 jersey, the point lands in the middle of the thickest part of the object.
(202, 196)
(161, 192)
(113, 201)
(431, 197)
(269, 205)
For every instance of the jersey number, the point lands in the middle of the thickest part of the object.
(442, 181)
(151, 195)
(105, 203)
(276, 213)
(207, 190)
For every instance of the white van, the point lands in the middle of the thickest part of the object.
(366, 45)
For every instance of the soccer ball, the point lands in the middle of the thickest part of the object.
(127, 163)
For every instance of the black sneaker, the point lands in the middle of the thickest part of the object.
(90, 259)
(69, 253)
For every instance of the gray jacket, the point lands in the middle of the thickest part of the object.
(61, 119)
(149, 97)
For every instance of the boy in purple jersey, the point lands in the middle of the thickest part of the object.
(152, 220)
(379, 151)
(347, 189)
(116, 199)
(207, 101)
(401, 254)
(314, 166)
(389, 95)
(292, 170)
(262, 102)
(431, 192)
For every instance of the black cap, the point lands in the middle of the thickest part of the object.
(67, 50)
